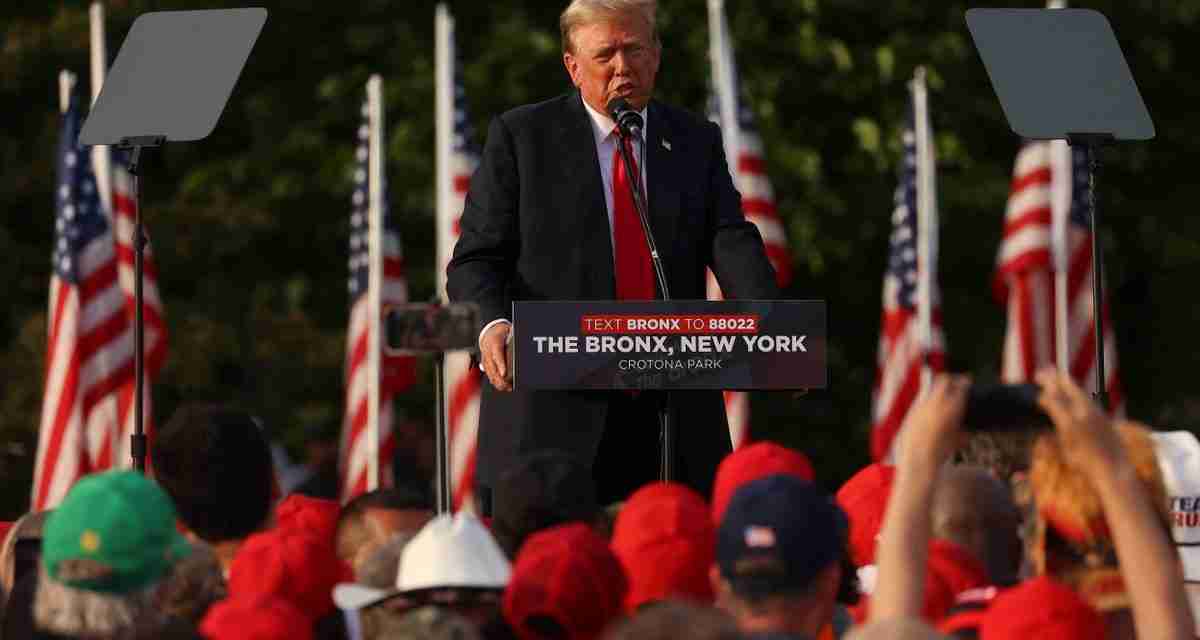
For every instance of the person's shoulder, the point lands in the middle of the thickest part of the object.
(537, 114)
(680, 119)
(698, 135)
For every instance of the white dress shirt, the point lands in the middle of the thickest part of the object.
(604, 130)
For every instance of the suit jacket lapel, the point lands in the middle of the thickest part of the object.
(662, 183)
(583, 171)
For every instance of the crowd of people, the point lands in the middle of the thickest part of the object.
(1064, 533)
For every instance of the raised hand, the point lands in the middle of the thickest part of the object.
(1085, 432)
(930, 432)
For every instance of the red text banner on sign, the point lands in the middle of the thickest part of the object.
(735, 324)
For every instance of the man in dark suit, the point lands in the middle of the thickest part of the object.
(550, 216)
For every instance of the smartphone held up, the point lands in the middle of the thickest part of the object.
(1004, 408)
(430, 328)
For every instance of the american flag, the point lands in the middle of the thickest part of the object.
(396, 374)
(457, 159)
(744, 149)
(89, 351)
(1050, 183)
(903, 351)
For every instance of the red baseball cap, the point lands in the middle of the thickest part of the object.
(262, 618)
(750, 463)
(864, 498)
(966, 615)
(290, 564)
(665, 540)
(1040, 608)
(564, 577)
(951, 570)
(315, 515)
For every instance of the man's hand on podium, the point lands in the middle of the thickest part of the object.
(493, 352)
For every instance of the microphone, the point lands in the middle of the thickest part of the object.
(629, 125)
(628, 121)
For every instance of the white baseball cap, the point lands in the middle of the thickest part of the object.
(450, 552)
(1178, 455)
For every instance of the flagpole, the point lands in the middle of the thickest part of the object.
(101, 156)
(101, 159)
(99, 48)
(926, 222)
(1062, 173)
(444, 123)
(722, 63)
(1061, 184)
(66, 83)
(444, 127)
(375, 279)
(725, 91)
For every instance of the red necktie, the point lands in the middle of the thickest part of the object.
(635, 277)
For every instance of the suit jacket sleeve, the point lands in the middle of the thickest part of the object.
(738, 257)
(485, 256)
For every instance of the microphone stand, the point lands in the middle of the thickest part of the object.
(666, 427)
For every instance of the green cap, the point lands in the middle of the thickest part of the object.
(114, 532)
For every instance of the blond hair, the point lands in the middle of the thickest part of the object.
(1064, 492)
(584, 12)
(1068, 505)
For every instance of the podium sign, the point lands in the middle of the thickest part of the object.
(680, 344)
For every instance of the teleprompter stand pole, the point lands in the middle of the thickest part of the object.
(1092, 143)
(666, 427)
(137, 441)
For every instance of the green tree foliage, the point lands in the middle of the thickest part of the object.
(250, 226)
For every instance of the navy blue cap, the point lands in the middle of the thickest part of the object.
(778, 533)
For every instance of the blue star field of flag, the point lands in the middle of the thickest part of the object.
(746, 117)
(464, 133)
(360, 262)
(746, 122)
(902, 253)
(79, 219)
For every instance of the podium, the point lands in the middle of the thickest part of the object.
(731, 345)
(664, 346)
